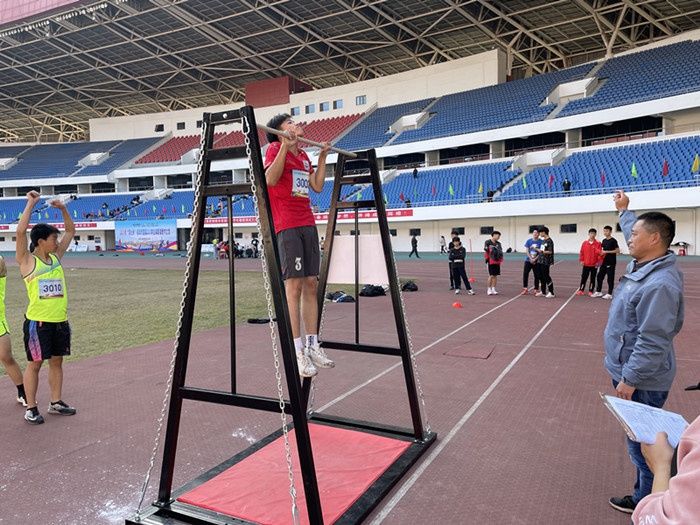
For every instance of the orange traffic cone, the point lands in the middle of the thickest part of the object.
(456, 304)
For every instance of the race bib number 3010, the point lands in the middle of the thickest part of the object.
(50, 288)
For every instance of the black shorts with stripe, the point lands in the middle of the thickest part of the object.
(44, 340)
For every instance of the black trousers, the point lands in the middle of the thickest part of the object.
(545, 279)
(458, 272)
(526, 274)
(607, 270)
(452, 279)
(414, 250)
(585, 272)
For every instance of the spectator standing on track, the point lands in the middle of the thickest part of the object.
(493, 254)
(454, 236)
(290, 176)
(458, 256)
(443, 244)
(532, 247)
(414, 247)
(590, 257)
(545, 260)
(645, 315)
(607, 268)
(46, 329)
(8, 362)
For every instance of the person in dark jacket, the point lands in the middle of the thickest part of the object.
(457, 256)
(414, 247)
(645, 315)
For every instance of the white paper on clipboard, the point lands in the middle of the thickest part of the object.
(371, 258)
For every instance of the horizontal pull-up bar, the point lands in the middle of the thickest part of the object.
(305, 140)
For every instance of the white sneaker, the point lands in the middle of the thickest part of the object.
(607, 296)
(306, 367)
(489, 292)
(471, 292)
(597, 294)
(538, 294)
(319, 357)
(549, 295)
(458, 291)
(494, 291)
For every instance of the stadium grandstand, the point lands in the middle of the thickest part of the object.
(484, 115)
(493, 107)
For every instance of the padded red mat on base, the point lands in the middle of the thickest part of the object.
(257, 488)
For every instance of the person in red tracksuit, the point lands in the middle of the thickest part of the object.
(590, 258)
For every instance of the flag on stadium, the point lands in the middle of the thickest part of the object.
(155, 210)
(602, 177)
(433, 190)
(75, 213)
(359, 196)
(401, 197)
(634, 170)
(386, 201)
(696, 164)
(182, 208)
(415, 192)
(524, 183)
(664, 169)
(481, 188)
(451, 190)
(551, 181)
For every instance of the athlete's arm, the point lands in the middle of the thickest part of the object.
(274, 171)
(69, 232)
(318, 177)
(22, 255)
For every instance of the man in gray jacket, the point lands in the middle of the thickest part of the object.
(645, 315)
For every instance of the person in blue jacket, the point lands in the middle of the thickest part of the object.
(645, 315)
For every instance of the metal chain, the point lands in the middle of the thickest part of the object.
(410, 349)
(273, 335)
(171, 371)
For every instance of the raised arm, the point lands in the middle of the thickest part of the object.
(317, 178)
(22, 254)
(69, 227)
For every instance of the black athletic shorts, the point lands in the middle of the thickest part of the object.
(300, 255)
(494, 269)
(43, 340)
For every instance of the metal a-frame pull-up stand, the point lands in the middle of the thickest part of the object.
(167, 509)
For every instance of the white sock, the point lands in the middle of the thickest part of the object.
(298, 345)
(312, 340)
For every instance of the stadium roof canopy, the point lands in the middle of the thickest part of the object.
(107, 58)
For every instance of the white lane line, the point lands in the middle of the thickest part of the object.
(403, 490)
(393, 367)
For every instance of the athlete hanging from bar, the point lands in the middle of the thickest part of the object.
(289, 177)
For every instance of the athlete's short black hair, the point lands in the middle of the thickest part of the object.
(544, 230)
(275, 123)
(41, 231)
(592, 230)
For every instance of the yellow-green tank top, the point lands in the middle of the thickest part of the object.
(46, 288)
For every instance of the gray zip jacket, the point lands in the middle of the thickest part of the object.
(645, 315)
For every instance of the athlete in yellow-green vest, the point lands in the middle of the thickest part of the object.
(46, 328)
(11, 366)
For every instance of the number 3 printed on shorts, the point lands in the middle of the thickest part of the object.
(297, 264)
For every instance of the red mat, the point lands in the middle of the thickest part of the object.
(257, 488)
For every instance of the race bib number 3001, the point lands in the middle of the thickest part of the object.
(300, 183)
(50, 288)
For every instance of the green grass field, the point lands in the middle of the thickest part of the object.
(110, 310)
